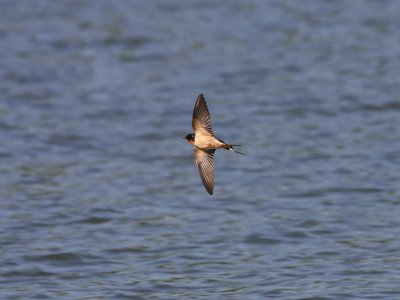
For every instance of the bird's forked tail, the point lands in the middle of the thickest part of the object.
(230, 148)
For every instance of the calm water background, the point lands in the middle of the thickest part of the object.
(99, 194)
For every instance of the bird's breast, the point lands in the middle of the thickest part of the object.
(207, 142)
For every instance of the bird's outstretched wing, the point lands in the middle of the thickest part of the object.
(205, 164)
(201, 121)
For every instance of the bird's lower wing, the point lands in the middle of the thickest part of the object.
(205, 164)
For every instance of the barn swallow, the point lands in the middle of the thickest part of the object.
(205, 143)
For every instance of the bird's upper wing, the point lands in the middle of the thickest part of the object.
(201, 121)
(205, 164)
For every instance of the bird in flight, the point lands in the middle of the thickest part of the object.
(205, 143)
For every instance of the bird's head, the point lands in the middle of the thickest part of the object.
(190, 138)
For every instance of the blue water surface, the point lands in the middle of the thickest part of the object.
(99, 194)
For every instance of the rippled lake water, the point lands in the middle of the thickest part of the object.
(100, 197)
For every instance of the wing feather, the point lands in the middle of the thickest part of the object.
(201, 120)
(205, 164)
